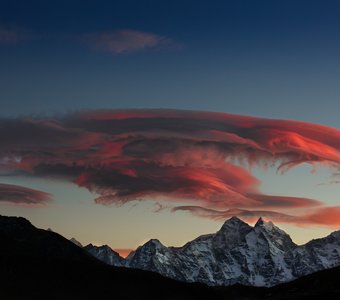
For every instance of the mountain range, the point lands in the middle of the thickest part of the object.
(41, 264)
(263, 255)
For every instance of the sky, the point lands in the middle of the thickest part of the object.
(123, 121)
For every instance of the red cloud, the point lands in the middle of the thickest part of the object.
(125, 155)
(227, 186)
(125, 41)
(288, 142)
(21, 195)
(325, 216)
(328, 216)
(249, 215)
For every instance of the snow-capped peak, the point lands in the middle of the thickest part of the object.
(154, 243)
(234, 223)
(263, 255)
(105, 254)
(262, 223)
(269, 226)
(259, 222)
(273, 234)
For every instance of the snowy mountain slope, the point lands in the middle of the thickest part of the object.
(263, 255)
(39, 264)
(106, 255)
(65, 271)
(317, 255)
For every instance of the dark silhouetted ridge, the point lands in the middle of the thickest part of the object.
(39, 264)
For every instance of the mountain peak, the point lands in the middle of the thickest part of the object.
(105, 254)
(233, 221)
(231, 233)
(154, 243)
(262, 223)
(273, 234)
(151, 244)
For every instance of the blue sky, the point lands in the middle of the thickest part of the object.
(267, 58)
(275, 59)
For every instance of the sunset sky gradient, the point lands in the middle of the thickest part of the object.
(123, 121)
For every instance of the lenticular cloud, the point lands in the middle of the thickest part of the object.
(200, 157)
(15, 194)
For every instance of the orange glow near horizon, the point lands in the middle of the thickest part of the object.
(123, 252)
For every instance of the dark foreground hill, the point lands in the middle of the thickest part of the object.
(39, 264)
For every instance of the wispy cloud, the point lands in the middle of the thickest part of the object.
(115, 41)
(200, 158)
(15, 194)
(325, 216)
(125, 41)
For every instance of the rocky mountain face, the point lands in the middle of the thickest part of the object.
(106, 255)
(45, 265)
(40, 264)
(263, 255)
(103, 253)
